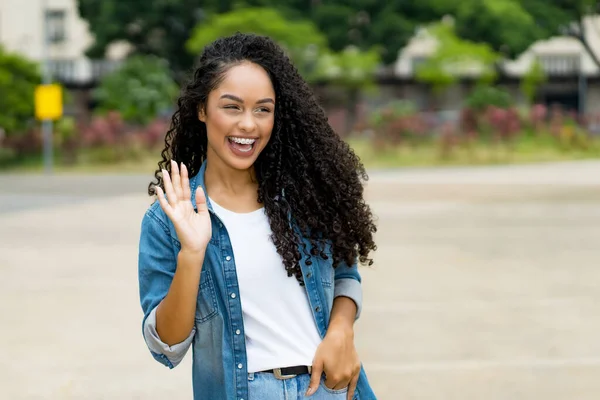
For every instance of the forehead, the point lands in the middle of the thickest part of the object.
(248, 81)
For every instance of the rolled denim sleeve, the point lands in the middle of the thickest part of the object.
(348, 284)
(173, 353)
(156, 268)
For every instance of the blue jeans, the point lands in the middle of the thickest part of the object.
(264, 386)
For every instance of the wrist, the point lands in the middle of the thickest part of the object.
(191, 254)
(342, 325)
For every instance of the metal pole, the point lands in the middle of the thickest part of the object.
(582, 93)
(47, 79)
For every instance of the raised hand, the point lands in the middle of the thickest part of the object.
(193, 228)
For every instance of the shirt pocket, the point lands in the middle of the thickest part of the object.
(206, 306)
(327, 271)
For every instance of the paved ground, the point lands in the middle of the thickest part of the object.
(486, 287)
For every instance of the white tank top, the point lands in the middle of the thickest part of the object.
(279, 326)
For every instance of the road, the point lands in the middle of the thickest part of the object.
(486, 286)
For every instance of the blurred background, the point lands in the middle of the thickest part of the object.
(479, 123)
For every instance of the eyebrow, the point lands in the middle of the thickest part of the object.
(235, 98)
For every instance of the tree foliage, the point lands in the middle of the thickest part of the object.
(507, 26)
(532, 79)
(140, 90)
(158, 28)
(455, 57)
(301, 39)
(18, 79)
(349, 68)
(307, 47)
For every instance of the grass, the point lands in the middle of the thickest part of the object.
(522, 152)
(144, 164)
(428, 154)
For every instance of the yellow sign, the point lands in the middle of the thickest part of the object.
(48, 102)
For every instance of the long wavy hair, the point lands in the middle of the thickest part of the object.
(305, 172)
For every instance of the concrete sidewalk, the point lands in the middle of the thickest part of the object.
(486, 287)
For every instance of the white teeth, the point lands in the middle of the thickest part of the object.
(242, 140)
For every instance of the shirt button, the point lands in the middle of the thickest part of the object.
(309, 275)
(228, 258)
(318, 309)
(233, 295)
(237, 332)
(240, 366)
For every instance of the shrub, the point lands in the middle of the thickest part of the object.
(140, 90)
(484, 96)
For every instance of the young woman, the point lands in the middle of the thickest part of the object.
(250, 254)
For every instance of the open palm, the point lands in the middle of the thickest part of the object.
(193, 227)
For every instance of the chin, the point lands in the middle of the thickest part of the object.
(240, 165)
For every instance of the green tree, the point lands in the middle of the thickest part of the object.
(160, 28)
(301, 39)
(351, 70)
(567, 17)
(534, 77)
(511, 26)
(507, 26)
(454, 57)
(18, 79)
(140, 90)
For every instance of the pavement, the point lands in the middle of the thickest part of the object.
(486, 286)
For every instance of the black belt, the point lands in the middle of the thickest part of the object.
(290, 372)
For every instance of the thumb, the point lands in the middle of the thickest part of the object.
(201, 200)
(315, 377)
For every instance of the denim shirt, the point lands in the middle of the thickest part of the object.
(217, 339)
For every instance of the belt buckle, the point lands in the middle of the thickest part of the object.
(278, 375)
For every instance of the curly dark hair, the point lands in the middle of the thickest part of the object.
(318, 174)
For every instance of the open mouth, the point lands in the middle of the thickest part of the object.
(241, 146)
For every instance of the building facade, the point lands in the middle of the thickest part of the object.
(22, 30)
(573, 78)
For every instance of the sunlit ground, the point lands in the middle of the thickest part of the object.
(486, 286)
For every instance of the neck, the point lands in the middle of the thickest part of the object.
(221, 179)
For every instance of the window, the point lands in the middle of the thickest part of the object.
(55, 23)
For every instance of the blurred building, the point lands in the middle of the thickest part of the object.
(573, 79)
(22, 31)
(68, 37)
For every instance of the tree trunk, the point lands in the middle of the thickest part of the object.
(581, 36)
(589, 50)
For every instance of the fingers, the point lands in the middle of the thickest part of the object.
(185, 183)
(352, 386)
(335, 384)
(163, 201)
(171, 197)
(315, 377)
(176, 180)
(201, 205)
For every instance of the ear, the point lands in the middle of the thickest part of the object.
(202, 114)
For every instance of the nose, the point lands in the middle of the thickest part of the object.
(247, 123)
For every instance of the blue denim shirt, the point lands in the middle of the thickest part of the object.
(217, 340)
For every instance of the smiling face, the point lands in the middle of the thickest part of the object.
(239, 116)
